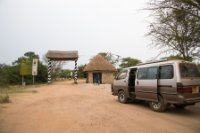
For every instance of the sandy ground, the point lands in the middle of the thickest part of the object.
(86, 108)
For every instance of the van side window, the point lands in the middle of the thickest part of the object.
(147, 73)
(166, 72)
(122, 75)
(142, 73)
(152, 73)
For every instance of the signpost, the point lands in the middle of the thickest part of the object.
(34, 69)
(25, 69)
(28, 67)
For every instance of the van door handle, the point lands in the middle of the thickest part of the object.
(125, 81)
(137, 82)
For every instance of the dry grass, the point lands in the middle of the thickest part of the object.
(6, 92)
(4, 99)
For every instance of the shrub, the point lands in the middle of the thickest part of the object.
(4, 99)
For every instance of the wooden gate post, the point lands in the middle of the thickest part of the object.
(76, 73)
(49, 71)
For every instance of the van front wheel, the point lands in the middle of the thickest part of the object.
(159, 106)
(122, 97)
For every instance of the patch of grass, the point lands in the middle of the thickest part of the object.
(34, 91)
(4, 99)
(15, 89)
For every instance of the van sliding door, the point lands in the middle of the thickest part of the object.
(146, 84)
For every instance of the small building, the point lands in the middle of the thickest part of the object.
(99, 70)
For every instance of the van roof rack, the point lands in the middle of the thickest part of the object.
(152, 61)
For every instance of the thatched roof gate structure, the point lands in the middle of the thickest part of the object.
(54, 55)
(62, 55)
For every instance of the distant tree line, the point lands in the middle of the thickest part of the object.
(10, 74)
(121, 62)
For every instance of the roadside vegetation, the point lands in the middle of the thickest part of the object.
(7, 92)
(4, 99)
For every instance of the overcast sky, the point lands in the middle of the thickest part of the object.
(89, 26)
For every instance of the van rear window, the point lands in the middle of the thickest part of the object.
(189, 70)
(166, 72)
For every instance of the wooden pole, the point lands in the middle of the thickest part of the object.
(49, 71)
(76, 72)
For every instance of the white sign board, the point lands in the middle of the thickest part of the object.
(35, 67)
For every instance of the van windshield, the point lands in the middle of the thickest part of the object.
(189, 70)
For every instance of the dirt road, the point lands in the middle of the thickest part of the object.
(86, 108)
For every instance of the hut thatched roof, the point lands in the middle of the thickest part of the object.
(62, 55)
(99, 63)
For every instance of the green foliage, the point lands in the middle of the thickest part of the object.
(31, 55)
(3, 75)
(65, 74)
(27, 56)
(81, 73)
(56, 69)
(10, 74)
(110, 57)
(14, 76)
(42, 73)
(128, 62)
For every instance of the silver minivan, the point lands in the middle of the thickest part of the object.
(160, 83)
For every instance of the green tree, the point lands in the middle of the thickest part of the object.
(128, 62)
(113, 59)
(3, 75)
(42, 73)
(41, 77)
(81, 73)
(13, 75)
(176, 27)
(65, 74)
(10, 74)
(27, 56)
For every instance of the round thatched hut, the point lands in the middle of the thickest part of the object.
(99, 70)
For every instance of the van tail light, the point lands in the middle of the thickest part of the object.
(183, 89)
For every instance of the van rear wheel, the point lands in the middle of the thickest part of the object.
(122, 97)
(159, 106)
